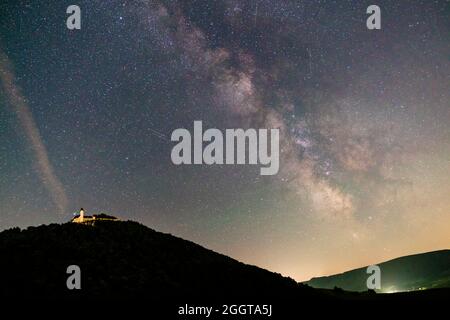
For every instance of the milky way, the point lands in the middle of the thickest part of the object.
(363, 118)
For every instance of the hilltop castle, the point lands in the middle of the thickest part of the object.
(81, 218)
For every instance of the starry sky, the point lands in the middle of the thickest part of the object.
(86, 118)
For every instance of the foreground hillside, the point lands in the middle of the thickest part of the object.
(129, 260)
(125, 259)
(429, 270)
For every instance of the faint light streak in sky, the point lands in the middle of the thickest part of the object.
(31, 131)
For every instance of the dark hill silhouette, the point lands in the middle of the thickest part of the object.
(415, 272)
(125, 259)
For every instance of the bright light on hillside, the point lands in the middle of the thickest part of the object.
(391, 289)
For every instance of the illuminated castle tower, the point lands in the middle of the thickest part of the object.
(81, 218)
(81, 215)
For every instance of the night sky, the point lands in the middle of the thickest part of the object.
(86, 118)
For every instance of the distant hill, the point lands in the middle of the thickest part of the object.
(414, 272)
(125, 259)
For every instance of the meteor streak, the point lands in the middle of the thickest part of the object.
(19, 104)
